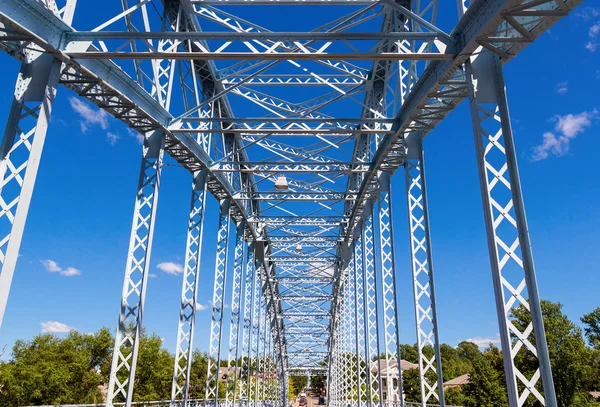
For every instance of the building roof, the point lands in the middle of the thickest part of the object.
(457, 381)
(382, 365)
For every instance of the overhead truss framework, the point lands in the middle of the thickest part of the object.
(334, 101)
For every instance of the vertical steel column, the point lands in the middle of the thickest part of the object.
(374, 387)
(260, 390)
(331, 363)
(189, 291)
(362, 363)
(263, 340)
(220, 285)
(342, 359)
(20, 155)
(127, 339)
(279, 362)
(388, 282)
(269, 364)
(350, 331)
(256, 328)
(334, 373)
(247, 327)
(422, 269)
(234, 322)
(513, 272)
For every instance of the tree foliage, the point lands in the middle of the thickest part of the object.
(48, 370)
(592, 327)
(484, 388)
(297, 385)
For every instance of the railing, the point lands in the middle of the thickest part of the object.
(238, 403)
(176, 403)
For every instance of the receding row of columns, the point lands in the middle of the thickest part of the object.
(366, 327)
(253, 355)
(21, 150)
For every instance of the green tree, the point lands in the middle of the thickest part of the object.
(484, 388)
(409, 353)
(411, 385)
(198, 371)
(454, 396)
(591, 380)
(52, 370)
(454, 364)
(592, 327)
(469, 351)
(297, 384)
(318, 382)
(154, 373)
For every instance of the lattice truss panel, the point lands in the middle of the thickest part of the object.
(294, 117)
(512, 264)
(430, 368)
(189, 291)
(136, 272)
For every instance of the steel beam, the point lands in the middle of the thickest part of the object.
(234, 322)
(189, 291)
(218, 303)
(129, 328)
(513, 272)
(374, 387)
(247, 337)
(422, 273)
(388, 291)
(20, 154)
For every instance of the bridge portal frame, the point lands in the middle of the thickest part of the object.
(450, 77)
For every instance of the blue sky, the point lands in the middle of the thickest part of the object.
(80, 216)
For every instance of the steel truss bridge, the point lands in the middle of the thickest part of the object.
(297, 135)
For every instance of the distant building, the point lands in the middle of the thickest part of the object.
(104, 391)
(389, 369)
(225, 372)
(457, 382)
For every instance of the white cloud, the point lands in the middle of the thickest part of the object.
(51, 266)
(483, 342)
(54, 327)
(593, 43)
(70, 271)
(587, 13)
(201, 307)
(562, 87)
(571, 125)
(90, 116)
(567, 127)
(152, 275)
(170, 268)
(112, 138)
(139, 137)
